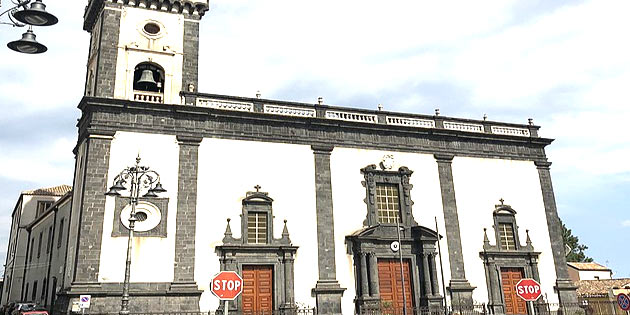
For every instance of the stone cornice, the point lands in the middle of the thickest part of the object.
(191, 9)
(106, 116)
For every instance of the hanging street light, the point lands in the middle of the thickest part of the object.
(136, 179)
(21, 15)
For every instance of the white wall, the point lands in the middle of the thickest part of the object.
(479, 184)
(165, 50)
(350, 209)
(153, 257)
(592, 274)
(227, 170)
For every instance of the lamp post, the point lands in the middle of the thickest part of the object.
(35, 15)
(137, 179)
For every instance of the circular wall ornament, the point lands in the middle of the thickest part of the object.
(395, 246)
(147, 214)
(151, 29)
(387, 163)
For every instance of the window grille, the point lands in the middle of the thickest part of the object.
(387, 203)
(257, 228)
(506, 233)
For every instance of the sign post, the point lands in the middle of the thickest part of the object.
(227, 286)
(84, 302)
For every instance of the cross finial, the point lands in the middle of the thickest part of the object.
(257, 187)
(501, 201)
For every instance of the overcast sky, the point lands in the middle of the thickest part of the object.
(566, 64)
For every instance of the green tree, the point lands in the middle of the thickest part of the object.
(577, 250)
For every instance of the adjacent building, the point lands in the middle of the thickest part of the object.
(31, 242)
(337, 208)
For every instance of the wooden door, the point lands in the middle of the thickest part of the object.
(390, 284)
(513, 303)
(257, 290)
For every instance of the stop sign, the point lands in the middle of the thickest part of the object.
(528, 289)
(227, 285)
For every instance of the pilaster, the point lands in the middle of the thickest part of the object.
(459, 287)
(565, 287)
(92, 209)
(186, 219)
(327, 291)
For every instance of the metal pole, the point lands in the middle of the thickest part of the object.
(134, 191)
(225, 307)
(402, 274)
(441, 266)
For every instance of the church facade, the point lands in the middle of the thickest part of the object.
(336, 208)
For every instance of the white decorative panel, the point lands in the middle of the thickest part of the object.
(410, 122)
(225, 105)
(463, 126)
(349, 116)
(289, 111)
(510, 131)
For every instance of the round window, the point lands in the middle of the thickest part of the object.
(152, 28)
(148, 216)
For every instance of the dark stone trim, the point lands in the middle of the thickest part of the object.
(105, 76)
(146, 297)
(186, 218)
(119, 230)
(92, 209)
(327, 291)
(120, 115)
(400, 178)
(460, 288)
(190, 66)
(195, 9)
(565, 287)
(418, 245)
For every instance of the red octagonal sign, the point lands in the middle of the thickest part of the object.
(227, 285)
(528, 289)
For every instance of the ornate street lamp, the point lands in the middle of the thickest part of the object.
(35, 15)
(136, 179)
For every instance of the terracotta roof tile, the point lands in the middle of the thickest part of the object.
(587, 266)
(50, 191)
(599, 287)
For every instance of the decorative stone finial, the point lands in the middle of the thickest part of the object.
(380, 107)
(285, 234)
(320, 100)
(529, 240)
(258, 94)
(437, 112)
(530, 121)
(485, 117)
(486, 241)
(228, 230)
(257, 187)
(501, 201)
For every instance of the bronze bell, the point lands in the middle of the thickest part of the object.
(147, 78)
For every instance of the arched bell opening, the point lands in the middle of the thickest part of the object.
(148, 83)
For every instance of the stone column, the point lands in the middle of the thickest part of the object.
(461, 290)
(426, 275)
(92, 209)
(327, 291)
(186, 220)
(365, 289)
(374, 285)
(434, 276)
(288, 281)
(564, 285)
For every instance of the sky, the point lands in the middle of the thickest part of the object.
(563, 63)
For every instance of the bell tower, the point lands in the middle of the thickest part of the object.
(143, 50)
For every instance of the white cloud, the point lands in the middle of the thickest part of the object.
(625, 223)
